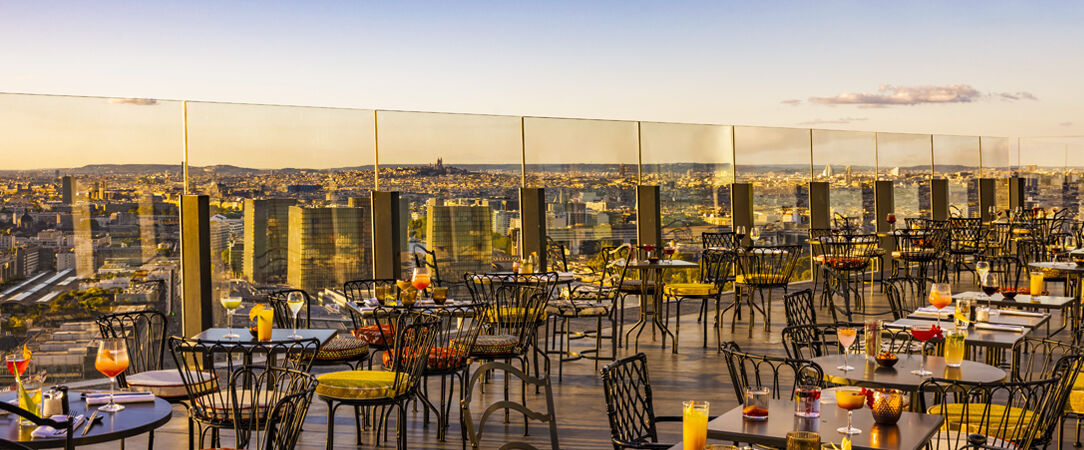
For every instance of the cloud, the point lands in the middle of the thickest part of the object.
(839, 121)
(889, 95)
(133, 101)
(792, 102)
(1017, 96)
(1066, 124)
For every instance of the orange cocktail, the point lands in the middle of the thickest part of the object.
(850, 399)
(694, 425)
(112, 359)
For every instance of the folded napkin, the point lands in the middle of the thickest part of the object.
(101, 398)
(931, 314)
(1017, 312)
(998, 327)
(46, 432)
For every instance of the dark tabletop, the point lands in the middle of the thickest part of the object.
(1064, 267)
(277, 334)
(911, 432)
(985, 338)
(135, 419)
(1002, 319)
(1022, 301)
(661, 264)
(867, 373)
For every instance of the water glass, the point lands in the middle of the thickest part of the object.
(807, 401)
(756, 403)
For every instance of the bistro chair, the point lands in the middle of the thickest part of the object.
(144, 333)
(845, 261)
(1015, 414)
(39, 421)
(405, 362)
(556, 256)
(474, 430)
(428, 259)
(718, 240)
(760, 270)
(594, 302)
(285, 396)
(968, 241)
(379, 336)
(1035, 358)
(342, 349)
(772, 372)
(917, 249)
(799, 308)
(629, 405)
(206, 368)
(714, 272)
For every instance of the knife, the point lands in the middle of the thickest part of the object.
(90, 422)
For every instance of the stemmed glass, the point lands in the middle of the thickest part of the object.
(923, 333)
(739, 235)
(891, 220)
(940, 297)
(670, 249)
(990, 287)
(754, 235)
(420, 279)
(295, 300)
(231, 304)
(846, 338)
(850, 399)
(982, 268)
(112, 360)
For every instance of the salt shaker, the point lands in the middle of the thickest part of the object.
(53, 402)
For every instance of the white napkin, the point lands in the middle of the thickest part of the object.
(101, 398)
(46, 432)
(1017, 312)
(931, 314)
(998, 327)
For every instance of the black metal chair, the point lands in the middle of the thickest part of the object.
(718, 240)
(282, 397)
(760, 270)
(771, 372)
(39, 421)
(365, 326)
(629, 405)
(343, 349)
(392, 388)
(428, 259)
(206, 368)
(474, 430)
(556, 256)
(845, 260)
(799, 308)
(588, 301)
(968, 241)
(144, 333)
(1034, 359)
(715, 268)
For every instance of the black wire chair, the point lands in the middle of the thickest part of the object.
(1035, 358)
(282, 398)
(206, 368)
(144, 333)
(715, 266)
(918, 249)
(725, 240)
(968, 242)
(365, 326)
(845, 262)
(771, 372)
(799, 308)
(342, 349)
(405, 363)
(629, 405)
(556, 256)
(760, 270)
(474, 431)
(39, 421)
(905, 294)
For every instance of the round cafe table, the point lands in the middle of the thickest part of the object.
(867, 373)
(135, 419)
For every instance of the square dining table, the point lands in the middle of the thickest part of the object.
(277, 334)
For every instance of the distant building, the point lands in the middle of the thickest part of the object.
(266, 239)
(328, 246)
(67, 189)
(460, 236)
(65, 261)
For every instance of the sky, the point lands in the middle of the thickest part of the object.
(963, 68)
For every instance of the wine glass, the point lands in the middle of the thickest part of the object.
(940, 297)
(231, 304)
(739, 234)
(923, 333)
(982, 268)
(990, 287)
(420, 279)
(112, 360)
(754, 235)
(295, 300)
(670, 249)
(846, 338)
(850, 398)
(891, 220)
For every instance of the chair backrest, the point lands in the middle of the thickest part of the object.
(145, 334)
(516, 304)
(800, 308)
(769, 265)
(629, 405)
(14, 409)
(428, 259)
(724, 240)
(812, 341)
(458, 330)
(283, 396)
(905, 294)
(205, 366)
(415, 333)
(854, 252)
(771, 372)
(360, 290)
(715, 267)
(474, 429)
(555, 256)
(283, 317)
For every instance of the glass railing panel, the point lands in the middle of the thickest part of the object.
(957, 159)
(88, 221)
(589, 171)
(458, 176)
(1044, 168)
(847, 160)
(289, 192)
(906, 160)
(693, 166)
(996, 164)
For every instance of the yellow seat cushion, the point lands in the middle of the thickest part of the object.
(691, 289)
(360, 384)
(1000, 423)
(1076, 401)
(510, 314)
(757, 278)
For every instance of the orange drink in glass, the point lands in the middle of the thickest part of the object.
(850, 399)
(694, 425)
(112, 360)
(940, 297)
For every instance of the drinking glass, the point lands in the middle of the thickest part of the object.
(420, 280)
(1037, 281)
(694, 424)
(803, 440)
(29, 394)
(923, 333)
(440, 295)
(112, 360)
(850, 399)
(670, 249)
(846, 338)
(982, 268)
(754, 235)
(940, 297)
(962, 313)
(295, 300)
(954, 347)
(807, 401)
(739, 235)
(231, 304)
(891, 220)
(756, 403)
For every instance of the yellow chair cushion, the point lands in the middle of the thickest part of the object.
(360, 384)
(1076, 401)
(509, 313)
(757, 278)
(1000, 423)
(691, 289)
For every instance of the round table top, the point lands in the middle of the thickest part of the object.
(867, 373)
(1066, 267)
(135, 419)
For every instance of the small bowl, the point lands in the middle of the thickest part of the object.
(887, 361)
(1008, 293)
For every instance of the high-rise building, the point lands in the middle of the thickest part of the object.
(67, 189)
(266, 239)
(925, 208)
(328, 246)
(460, 236)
